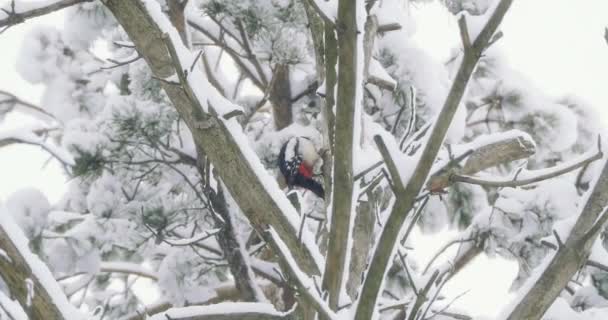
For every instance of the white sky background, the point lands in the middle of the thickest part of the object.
(558, 44)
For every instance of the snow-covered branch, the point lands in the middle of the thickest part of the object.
(306, 286)
(484, 152)
(546, 286)
(202, 109)
(7, 98)
(528, 177)
(224, 311)
(384, 250)
(36, 136)
(19, 11)
(29, 280)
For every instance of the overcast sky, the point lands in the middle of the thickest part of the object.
(558, 44)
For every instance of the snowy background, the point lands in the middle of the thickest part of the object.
(558, 44)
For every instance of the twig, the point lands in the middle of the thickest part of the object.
(13, 99)
(443, 249)
(464, 33)
(407, 272)
(122, 63)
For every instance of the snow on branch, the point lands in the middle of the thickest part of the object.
(29, 280)
(384, 250)
(527, 177)
(224, 311)
(224, 292)
(306, 285)
(203, 109)
(36, 136)
(328, 10)
(19, 11)
(12, 308)
(9, 102)
(485, 152)
(127, 268)
(551, 278)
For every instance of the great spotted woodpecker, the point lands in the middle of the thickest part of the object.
(296, 160)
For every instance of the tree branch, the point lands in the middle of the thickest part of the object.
(546, 174)
(568, 259)
(224, 311)
(11, 99)
(254, 190)
(30, 281)
(236, 56)
(305, 285)
(345, 137)
(388, 238)
(515, 147)
(13, 16)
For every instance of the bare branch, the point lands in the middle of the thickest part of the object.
(397, 184)
(443, 249)
(234, 54)
(464, 33)
(117, 64)
(250, 55)
(383, 28)
(422, 296)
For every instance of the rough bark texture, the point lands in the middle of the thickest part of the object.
(280, 97)
(213, 137)
(343, 151)
(406, 200)
(17, 273)
(569, 258)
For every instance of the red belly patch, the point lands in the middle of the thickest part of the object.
(305, 170)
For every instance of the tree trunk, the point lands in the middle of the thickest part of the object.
(280, 97)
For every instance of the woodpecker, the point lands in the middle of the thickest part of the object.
(296, 160)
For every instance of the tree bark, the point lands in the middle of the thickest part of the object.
(343, 151)
(280, 97)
